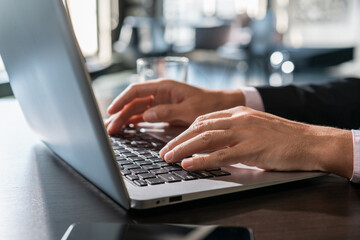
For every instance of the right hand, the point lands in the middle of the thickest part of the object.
(167, 101)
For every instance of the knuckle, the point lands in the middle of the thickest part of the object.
(195, 126)
(240, 108)
(132, 86)
(200, 118)
(245, 117)
(221, 157)
(200, 126)
(243, 109)
(179, 149)
(166, 81)
(206, 137)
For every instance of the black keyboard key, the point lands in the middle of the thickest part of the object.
(219, 173)
(156, 154)
(213, 169)
(159, 171)
(125, 162)
(124, 150)
(184, 175)
(163, 164)
(116, 147)
(125, 172)
(170, 177)
(156, 159)
(148, 146)
(130, 166)
(147, 155)
(142, 151)
(150, 167)
(154, 181)
(132, 177)
(178, 164)
(138, 171)
(134, 159)
(202, 174)
(157, 145)
(129, 154)
(120, 158)
(140, 183)
(144, 162)
(173, 168)
(135, 149)
(146, 175)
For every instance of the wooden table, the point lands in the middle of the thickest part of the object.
(40, 197)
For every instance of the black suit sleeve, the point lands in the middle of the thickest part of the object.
(334, 104)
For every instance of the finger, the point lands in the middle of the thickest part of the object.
(135, 119)
(135, 107)
(213, 115)
(210, 140)
(165, 113)
(108, 121)
(139, 90)
(195, 129)
(109, 127)
(220, 158)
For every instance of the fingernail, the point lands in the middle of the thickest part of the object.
(150, 116)
(163, 151)
(187, 164)
(169, 156)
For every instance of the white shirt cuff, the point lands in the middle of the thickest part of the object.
(253, 99)
(356, 162)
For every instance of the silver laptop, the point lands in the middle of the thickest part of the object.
(51, 83)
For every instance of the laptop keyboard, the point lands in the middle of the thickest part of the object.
(137, 154)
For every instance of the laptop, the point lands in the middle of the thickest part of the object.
(50, 81)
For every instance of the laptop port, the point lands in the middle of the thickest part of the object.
(175, 199)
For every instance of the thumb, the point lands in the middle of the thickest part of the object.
(162, 113)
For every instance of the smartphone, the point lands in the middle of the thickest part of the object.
(119, 231)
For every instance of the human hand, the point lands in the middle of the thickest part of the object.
(167, 101)
(244, 135)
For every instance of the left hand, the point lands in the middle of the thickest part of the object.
(243, 135)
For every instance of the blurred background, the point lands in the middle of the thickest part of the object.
(230, 43)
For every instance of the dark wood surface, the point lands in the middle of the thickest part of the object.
(40, 197)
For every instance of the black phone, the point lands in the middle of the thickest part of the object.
(120, 231)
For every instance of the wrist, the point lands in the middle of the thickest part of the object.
(232, 98)
(334, 151)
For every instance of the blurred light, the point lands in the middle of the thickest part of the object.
(287, 67)
(283, 3)
(240, 7)
(276, 58)
(275, 80)
(296, 38)
(84, 19)
(257, 9)
(242, 66)
(282, 21)
(209, 7)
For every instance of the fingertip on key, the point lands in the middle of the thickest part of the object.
(187, 164)
(163, 151)
(169, 156)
